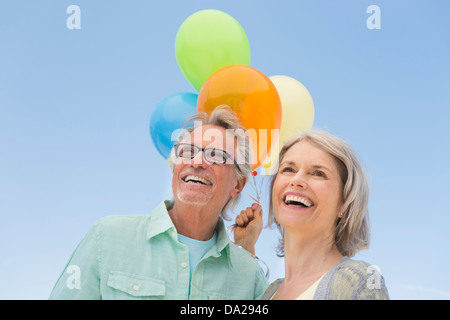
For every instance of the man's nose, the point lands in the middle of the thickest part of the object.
(199, 160)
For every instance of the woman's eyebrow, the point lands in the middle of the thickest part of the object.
(322, 167)
(291, 163)
(315, 166)
(319, 166)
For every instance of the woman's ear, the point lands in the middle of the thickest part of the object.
(341, 211)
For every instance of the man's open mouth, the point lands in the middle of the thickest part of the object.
(196, 179)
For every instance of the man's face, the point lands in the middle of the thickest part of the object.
(198, 182)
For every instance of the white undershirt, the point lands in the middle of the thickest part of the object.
(308, 294)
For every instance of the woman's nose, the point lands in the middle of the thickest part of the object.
(299, 180)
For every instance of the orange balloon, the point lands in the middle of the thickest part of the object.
(253, 97)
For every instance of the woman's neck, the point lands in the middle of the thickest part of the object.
(307, 256)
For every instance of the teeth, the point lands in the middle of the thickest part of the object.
(197, 178)
(303, 201)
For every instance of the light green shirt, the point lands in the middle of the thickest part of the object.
(140, 257)
(197, 249)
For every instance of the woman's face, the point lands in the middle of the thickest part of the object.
(306, 193)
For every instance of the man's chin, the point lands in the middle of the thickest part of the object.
(194, 199)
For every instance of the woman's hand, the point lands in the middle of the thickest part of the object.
(248, 227)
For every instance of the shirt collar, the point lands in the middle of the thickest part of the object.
(223, 241)
(160, 222)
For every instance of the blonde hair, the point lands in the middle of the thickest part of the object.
(223, 116)
(352, 231)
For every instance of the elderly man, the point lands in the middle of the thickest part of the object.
(181, 250)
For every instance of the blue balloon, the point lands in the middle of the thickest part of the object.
(171, 114)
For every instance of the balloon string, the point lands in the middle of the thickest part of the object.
(257, 200)
(252, 197)
(262, 181)
(253, 186)
(256, 189)
(234, 226)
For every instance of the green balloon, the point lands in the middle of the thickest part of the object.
(207, 41)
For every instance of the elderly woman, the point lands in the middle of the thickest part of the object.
(318, 201)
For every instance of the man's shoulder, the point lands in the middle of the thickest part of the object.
(237, 252)
(119, 219)
(120, 224)
(132, 224)
(240, 257)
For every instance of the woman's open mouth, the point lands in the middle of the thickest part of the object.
(297, 201)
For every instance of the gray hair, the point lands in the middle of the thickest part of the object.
(352, 231)
(223, 116)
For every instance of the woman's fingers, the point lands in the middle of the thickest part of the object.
(257, 212)
(248, 215)
(249, 224)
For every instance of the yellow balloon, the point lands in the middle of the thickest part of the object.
(297, 114)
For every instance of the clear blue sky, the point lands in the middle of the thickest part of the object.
(75, 107)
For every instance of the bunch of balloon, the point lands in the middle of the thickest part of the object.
(213, 53)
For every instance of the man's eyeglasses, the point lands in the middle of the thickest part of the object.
(211, 155)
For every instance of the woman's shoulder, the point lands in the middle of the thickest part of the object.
(353, 280)
(348, 280)
(272, 289)
(350, 265)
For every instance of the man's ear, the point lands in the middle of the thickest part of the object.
(237, 188)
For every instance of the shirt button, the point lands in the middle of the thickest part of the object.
(183, 264)
(135, 287)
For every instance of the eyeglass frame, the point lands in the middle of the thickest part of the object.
(227, 155)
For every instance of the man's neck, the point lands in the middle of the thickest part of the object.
(193, 221)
